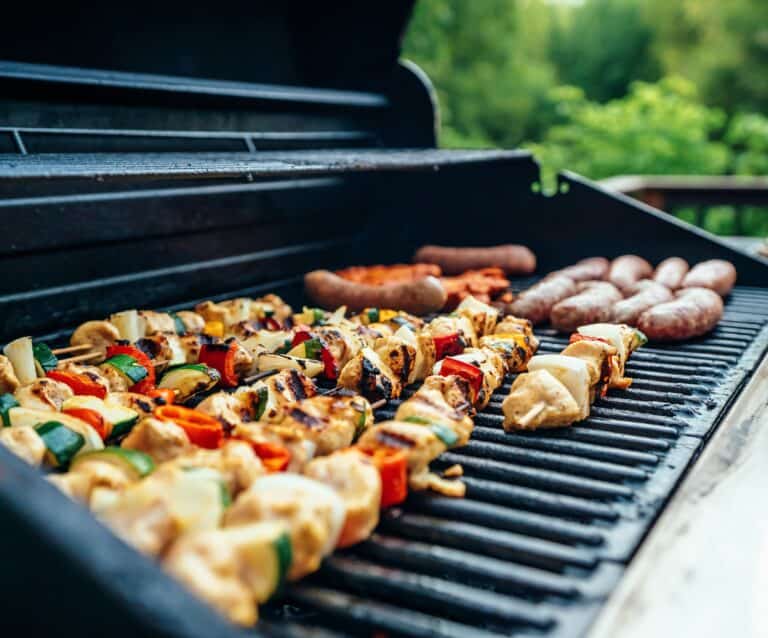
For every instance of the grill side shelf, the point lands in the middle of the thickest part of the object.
(551, 518)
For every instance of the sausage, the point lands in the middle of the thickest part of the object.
(671, 272)
(694, 312)
(513, 259)
(593, 304)
(648, 293)
(536, 303)
(627, 270)
(716, 274)
(590, 268)
(417, 297)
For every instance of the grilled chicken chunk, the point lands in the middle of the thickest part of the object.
(482, 316)
(24, 442)
(285, 387)
(9, 382)
(43, 394)
(367, 374)
(92, 372)
(300, 448)
(194, 323)
(117, 381)
(420, 443)
(600, 358)
(141, 403)
(234, 460)
(234, 569)
(511, 347)
(162, 440)
(312, 511)
(449, 324)
(343, 344)
(490, 364)
(331, 422)
(155, 322)
(354, 477)
(511, 325)
(538, 400)
(90, 474)
(442, 400)
(398, 355)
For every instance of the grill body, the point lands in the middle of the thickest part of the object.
(127, 190)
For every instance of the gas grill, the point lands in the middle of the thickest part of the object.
(120, 188)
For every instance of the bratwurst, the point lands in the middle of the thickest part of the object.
(716, 274)
(417, 297)
(647, 293)
(513, 259)
(670, 272)
(592, 305)
(627, 270)
(536, 303)
(591, 268)
(694, 312)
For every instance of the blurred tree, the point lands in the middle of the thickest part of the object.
(720, 45)
(488, 61)
(748, 136)
(603, 46)
(656, 129)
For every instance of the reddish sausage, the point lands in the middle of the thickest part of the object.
(627, 270)
(671, 272)
(694, 312)
(513, 259)
(590, 268)
(716, 274)
(648, 293)
(536, 302)
(417, 297)
(592, 305)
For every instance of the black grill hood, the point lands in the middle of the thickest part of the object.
(329, 44)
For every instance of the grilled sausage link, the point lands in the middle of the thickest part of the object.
(536, 303)
(418, 297)
(716, 274)
(513, 259)
(694, 312)
(627, 270)
(648, 293)
(592, 268)
(671, 272)
(592, 305)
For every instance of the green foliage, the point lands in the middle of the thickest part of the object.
(655, 129)
(748, 136)
(603, 47)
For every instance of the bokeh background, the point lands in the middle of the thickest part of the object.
(606, 87)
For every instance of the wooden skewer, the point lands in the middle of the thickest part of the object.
(260, 375)
(82, 357)
(378, 404)
(529, 416)
(82, 346)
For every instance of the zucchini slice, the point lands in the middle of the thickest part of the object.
(121, 418)
(22, 359)
(135, 463)
(282, 361)
(7, 401)
(190, 379)
(45, 360)
(61, 443)
(25, 416)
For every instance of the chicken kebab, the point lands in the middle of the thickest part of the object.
(558, 389)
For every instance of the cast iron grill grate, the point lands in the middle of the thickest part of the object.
(550, 519)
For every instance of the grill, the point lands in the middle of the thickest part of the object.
(551, 518)
(124, 189)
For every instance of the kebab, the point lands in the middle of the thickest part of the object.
(559, 389)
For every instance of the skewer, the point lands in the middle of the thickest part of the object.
(82, 357)
(82, 346)
(378, 404)
(529, 416)
(260, 375)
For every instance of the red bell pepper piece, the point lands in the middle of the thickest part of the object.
(272, 324)
(274, 457)
(92, 418)
(331, 366)
(166, 394)
(148, 382)
(471, 373)
(393, 469)
(300, 337)
(221, 356)
(202, 429)
(80, 383)
(446, 345)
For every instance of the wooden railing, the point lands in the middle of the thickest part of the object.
(699, 192)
